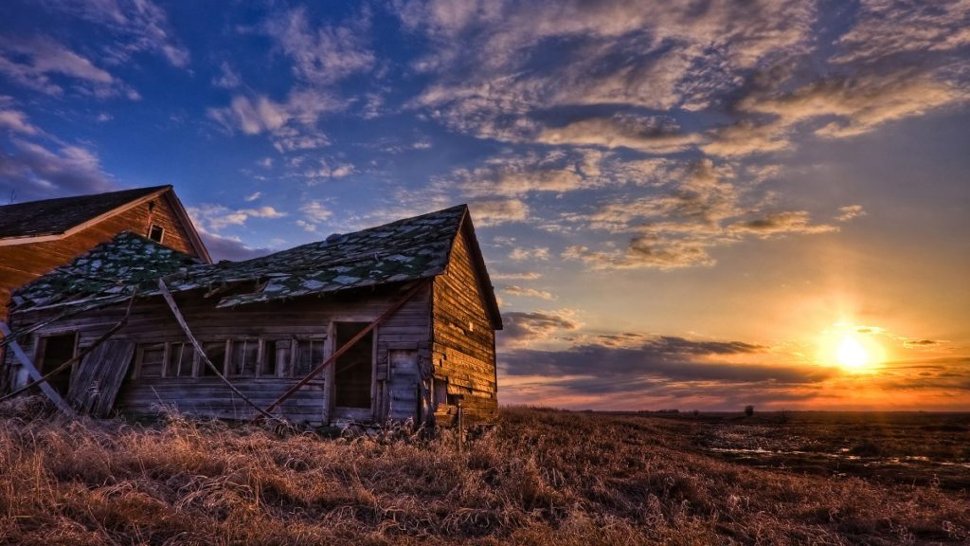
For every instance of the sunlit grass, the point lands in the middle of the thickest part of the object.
(540, 477)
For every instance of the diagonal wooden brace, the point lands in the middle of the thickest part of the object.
(167, 295)
(347, 346)
(35, 375)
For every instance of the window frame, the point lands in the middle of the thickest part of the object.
(161, 232)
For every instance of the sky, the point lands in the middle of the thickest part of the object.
(693, 205)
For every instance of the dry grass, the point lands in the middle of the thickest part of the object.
(540, 477)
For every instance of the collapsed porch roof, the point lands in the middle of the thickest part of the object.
(405, 250)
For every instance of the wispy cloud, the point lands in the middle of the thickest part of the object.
(490, 212)
(137, 26)
(525, 276)
(656, 135)
(892, 28)
(230, 248)
(524, 329)
(680, 222)
(35, 171)
(322, 54)
(16, 121)
(292, 124)
(314, 213)
(520, 254)
(613, 52)
(526, 292)
(214, 218)
(329, 169)
(37, 62)
(850, 212)
(227, 78)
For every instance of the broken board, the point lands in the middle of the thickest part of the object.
(98, 379)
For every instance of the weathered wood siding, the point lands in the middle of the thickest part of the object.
(151, 322)
(20, 264)
(463, 350)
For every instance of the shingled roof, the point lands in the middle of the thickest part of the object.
(405, 250)
(57, 216)
(106, 273)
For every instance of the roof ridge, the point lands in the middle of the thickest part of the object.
(146, 189)
(404, 250)
(326, 240)
(31, 221)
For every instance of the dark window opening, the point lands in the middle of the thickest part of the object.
(276, 357)
(56, 351)
(352, 378)
(152, 359)
(216, 351)
(180, 360)
(156, 233)
(309, 355)
(242, 361)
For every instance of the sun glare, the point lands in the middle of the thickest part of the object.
(851, 354)
(852, 348)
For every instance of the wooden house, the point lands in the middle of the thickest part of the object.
(399, 320)
(37, 236)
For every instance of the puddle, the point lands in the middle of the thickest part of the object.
(841, 455)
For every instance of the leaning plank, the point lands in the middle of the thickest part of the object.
(198, 349)
(347, 346)
(35, 375)
(41, 381)
(99, 377)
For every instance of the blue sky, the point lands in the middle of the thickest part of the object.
(680, 203)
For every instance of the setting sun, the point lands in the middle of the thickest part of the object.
(851, 354)
(853, 348)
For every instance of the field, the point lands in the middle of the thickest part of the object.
(538, 477)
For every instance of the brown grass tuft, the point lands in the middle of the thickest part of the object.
(539, 477)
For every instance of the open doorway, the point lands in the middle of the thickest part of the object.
(54, 351)
(354, 369)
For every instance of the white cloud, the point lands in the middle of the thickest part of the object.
(330, 169)
(491, 212)
(520, 174)
(525, 276)
(33, 171)
(850, 212)
(648, 134)
(315, 211)
(252, 116)
(16, 122)
(679, 224)
(893, 27)
(308, 227)
(253, 196)
(779, 223)
(325, 54)
(214, 218)
(525, 292)
(137, 26)
(861, 103)
(520, 254)
(651, 55)
(34, 62)
(290, 124)
(526, 329)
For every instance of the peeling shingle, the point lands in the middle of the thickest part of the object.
(409, 249)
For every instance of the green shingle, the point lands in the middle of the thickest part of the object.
(409, 249)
